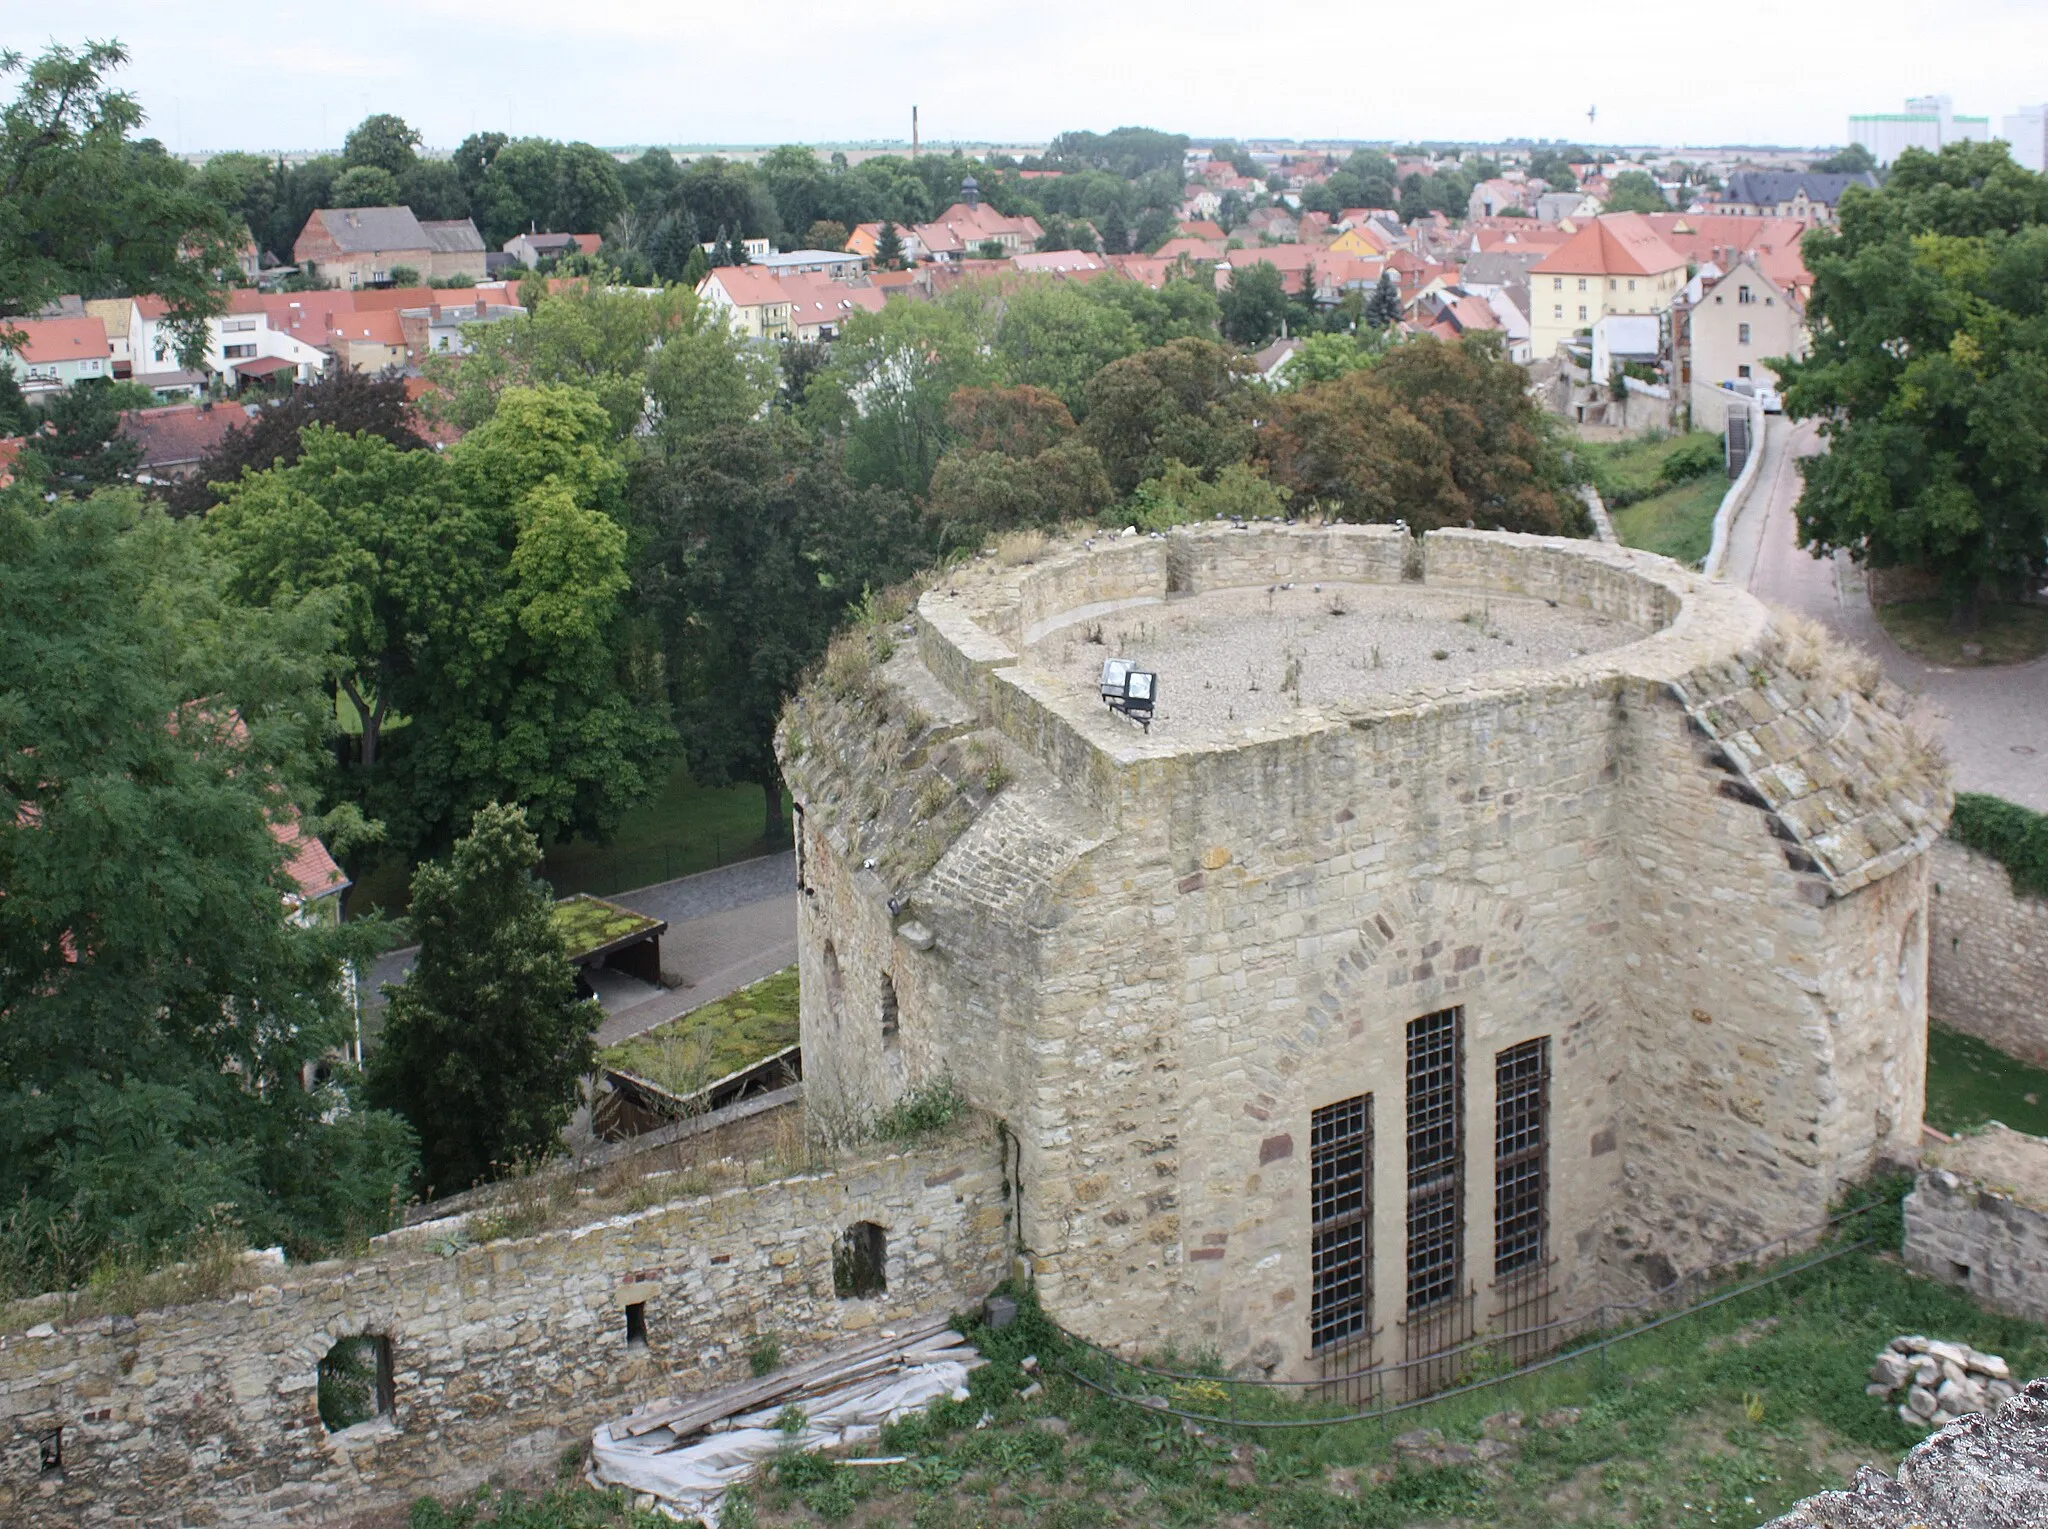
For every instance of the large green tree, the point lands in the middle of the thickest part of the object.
(481, 598)
(158, 1003)
(485, 1042)
(85, 208)
(1929, 375)
(756, 545)
(1254, 304)
(1185, 401)
(887, 388)
(1635, 191)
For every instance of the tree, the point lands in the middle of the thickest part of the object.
(158, 1003)
(480, 597)
(588, 194)
(889, 248)
(1635, 191)
(78, 443)
(886, 390)
(672, 244)
(345, 401)
(1433, 434)
(1184, 401)
(757, 544)
(1254, 304)
(1018, 462)
(382, 142)
(518, 190)
(825, 234)
(485, 1043)
(1384, 307)
(473, 157)
(1052, 336)
(1929, 375)
(366, 186)
(704, 376)
(85, 209)
(1116, 233)
(1852, 160)
(433, 190)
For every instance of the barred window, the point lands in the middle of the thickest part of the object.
(1521, 1117)
(1436, 1178)
(1340, 1221)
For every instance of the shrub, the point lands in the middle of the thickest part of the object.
(1692, 459)
(2015, 836)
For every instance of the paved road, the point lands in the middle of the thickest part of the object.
(726, 928)
(1994, 721)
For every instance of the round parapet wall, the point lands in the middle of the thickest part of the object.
(1262, 632)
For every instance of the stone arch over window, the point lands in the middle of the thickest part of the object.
(860, 1262)
(355, 1384)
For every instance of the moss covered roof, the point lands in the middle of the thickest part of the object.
(590, 924)
(714, 1040)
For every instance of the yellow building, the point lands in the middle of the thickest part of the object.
(1617, 263)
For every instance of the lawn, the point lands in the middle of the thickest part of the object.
(714, 1040)
(1969, 1083)
(1631, 470)
(1678, 523)
(1724, 1418)
(684, 829)
(2006, 634)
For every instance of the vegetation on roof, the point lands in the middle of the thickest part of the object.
(590, 923)
(714, 1040)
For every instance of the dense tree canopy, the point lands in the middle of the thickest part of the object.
(1635, 191)
(1184, 401)
(1929, 375)
(157, 1004)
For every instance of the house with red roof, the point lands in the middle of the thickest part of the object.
(970, 225)
(1616, 263)
(819, 305)
(364, 246)
(753, 301)
(49, 355)
(175, 437)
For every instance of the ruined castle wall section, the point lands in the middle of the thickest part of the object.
(500, 1356)
(1989, 962)
(1551, 568)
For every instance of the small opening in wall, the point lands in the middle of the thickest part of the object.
(51, 1446)
(889, 1014)
(355, 1381)
(860, 1262)
(636, 1325)
(1960, 1273)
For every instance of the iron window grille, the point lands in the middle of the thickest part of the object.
(1521, 1120)
(1340, 1221)
(1436, 1177)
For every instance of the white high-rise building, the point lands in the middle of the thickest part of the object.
(1927, 123)
(2027, 131)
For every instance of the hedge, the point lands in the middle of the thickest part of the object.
(2015, 836)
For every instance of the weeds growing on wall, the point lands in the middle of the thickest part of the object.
(2015, 836)
(922, 1112)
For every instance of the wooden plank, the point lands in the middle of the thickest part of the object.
(752, 1395)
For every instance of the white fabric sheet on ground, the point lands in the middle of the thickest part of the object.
(691, 1482)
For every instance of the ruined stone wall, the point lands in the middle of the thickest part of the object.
(1988, 966)
(1978, 1217)
(502, 1355)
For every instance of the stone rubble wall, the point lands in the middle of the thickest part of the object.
(1989, 956)
(1985, 1471)
(1984, 1229)
(503, 1355)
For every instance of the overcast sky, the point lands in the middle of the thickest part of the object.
(290, 75)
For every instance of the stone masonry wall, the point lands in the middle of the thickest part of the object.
(1988, 958)
(1978, 1217)
(502, 1355)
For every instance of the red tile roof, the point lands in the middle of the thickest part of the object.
(815, 300)
(1613, 244)
(748, 286)
(307, 862)
(178, 435)
(53, 340)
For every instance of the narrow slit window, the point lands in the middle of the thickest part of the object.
(1340, 1221)
(1436, 1160)
(636, 1325)
(889, 1014)
(1521, 1122)
(51, 1449)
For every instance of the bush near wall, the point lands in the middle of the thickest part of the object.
(2016, 837)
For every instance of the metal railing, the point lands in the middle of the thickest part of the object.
(1386, 1381)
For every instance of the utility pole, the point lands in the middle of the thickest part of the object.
(913, 132)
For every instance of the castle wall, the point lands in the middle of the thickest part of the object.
(1978, 1217)
(503, 1355)
(1990, 961)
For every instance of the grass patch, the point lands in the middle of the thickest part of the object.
(1627, 472)
(714, 1039)
(1677, 523)
(2006, 634)
(1725, 1418)
(1969, 1083)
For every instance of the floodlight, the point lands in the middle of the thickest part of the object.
(1116, 673)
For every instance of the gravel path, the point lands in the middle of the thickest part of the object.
(1230, 658)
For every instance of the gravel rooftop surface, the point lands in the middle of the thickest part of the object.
(1229, 659)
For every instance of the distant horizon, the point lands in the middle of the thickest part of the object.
(619, 72)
